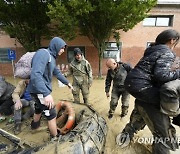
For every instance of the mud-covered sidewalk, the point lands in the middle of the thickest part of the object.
(100, 103)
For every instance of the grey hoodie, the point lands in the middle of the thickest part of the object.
(44, 67)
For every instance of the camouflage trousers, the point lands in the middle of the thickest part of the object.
(170, 98)
(115, 96)
(164, 133)
(84, 88)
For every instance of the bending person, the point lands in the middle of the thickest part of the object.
(117, 72)
(6, 102)
(144, 83)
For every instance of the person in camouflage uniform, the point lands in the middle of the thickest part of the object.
(145, 82)
(81, 71)
(117, 73)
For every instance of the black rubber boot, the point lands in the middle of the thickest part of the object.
(124, 111)
(35, 125)
(17, 128)
(176, 120)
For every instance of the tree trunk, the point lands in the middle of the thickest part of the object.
(100, 53)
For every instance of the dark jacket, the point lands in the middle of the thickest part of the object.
(44, 67)
(117, 76)
(6, 89)
(153, 70)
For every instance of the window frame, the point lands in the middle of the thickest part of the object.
(108, 53)
(4, 55)
(156, 17)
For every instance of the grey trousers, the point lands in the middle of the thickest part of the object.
(115, 96)
(160, 126)
(27, 114)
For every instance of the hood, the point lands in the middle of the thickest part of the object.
(55, 45)
(155, 48)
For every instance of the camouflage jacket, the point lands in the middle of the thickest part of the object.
(81, 70)
(117, 76)
(6, 89)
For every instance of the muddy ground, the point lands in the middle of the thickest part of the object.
(100, 103)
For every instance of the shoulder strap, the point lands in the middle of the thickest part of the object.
(49, 55)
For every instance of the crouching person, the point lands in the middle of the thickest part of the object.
(6, 102)
(22, 98)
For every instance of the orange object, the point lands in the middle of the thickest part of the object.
(69, 113)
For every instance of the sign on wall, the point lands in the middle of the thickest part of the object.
(11, 54)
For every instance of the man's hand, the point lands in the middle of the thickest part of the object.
(176, 64)
(18, 105)
(70, 86)
(90, 85)
(107, 95)
(49, 102)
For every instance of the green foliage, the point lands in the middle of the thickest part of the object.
(62, 22)
(26, 20)
(100, 19)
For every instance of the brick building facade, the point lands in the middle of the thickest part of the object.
(165, 15)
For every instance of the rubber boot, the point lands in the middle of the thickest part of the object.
(124, 111)
(17, 128)
(35, 125)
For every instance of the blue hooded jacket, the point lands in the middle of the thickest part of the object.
(44, 67)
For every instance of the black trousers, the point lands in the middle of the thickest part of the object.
(160, 126)
(6, 106)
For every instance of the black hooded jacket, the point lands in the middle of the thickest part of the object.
(6, 89)
(153, 70)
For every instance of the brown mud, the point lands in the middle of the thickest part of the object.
(100, 103)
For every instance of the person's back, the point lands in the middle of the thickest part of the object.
(152, 70)
(6, 89)
(6, 103)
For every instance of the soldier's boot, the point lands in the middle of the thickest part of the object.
(17, 128)
(35, 125)
(125, 137)
(110, 113)
(86, 101)
(176, 120)
(124, 111)
(76, 99)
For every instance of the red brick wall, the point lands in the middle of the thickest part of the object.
(133, 43)
(129, 55)
(6, 69)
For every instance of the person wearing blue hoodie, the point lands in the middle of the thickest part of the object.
(40, 86)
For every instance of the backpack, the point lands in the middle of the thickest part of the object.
(23, 66)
